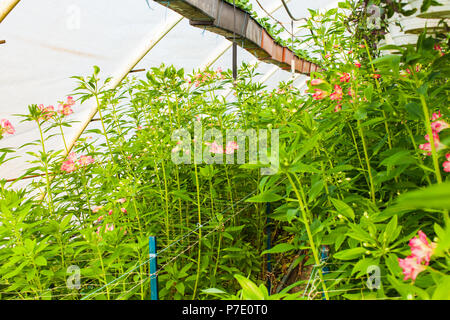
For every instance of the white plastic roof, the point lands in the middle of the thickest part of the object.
(48, 41)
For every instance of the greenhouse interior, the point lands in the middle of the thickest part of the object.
(299, 151)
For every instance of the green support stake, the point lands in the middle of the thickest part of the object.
(153, 268)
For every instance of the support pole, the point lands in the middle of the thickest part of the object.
(5, 8)
(153, 267)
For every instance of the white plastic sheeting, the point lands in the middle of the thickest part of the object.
(48, 41)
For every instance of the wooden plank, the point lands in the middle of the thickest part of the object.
(199, 10)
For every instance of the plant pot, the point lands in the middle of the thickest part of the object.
(253, 40)
(306, 67)
(224, 23)
(298, 64)
(198, 10)
(287, 58)
(267, 44)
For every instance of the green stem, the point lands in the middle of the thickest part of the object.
(199, 231)
(366, 155)
(308, 231)
(46, 169)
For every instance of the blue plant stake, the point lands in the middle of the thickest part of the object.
(153, 267)
(324, 257)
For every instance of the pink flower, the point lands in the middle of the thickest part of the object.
(436, 116)
(446, 164)
(427, 146)
(350, 52)
(123, 210)
(439, 125)
(315, 82)
(421, 248)
(110, 212)
(215, 148)
(376, 76)
(362, 46)
(96, 209)
(70, 101)
(337, 94)
(350, 92)
(319, 94)
(6, 126)
(338, 108)
(358, 65)
(411, 267)
(47, 112)
(86, 160)
(72, 157)
(122, 200)
(68, 166)
(65, 110)
(109, 227)
(231, 146)
(345, 77)
(438, 48)
(327, 56)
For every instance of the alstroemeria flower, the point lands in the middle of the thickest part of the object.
(70, 101)
(319, 94)
(438, 48)
(436, 116)
(376, 76)
(338, 108)
(315, 82)
(96, 209)
(337, 94)
(231, 147)
(357, 64)
(411, 267)
(6, 126)
(439, 125)
(446, 164)
(327, 56)
(345, 77)
(68, 166)
(65, 110)
(86, 160)
(122, 200)
(421, 248)
(123, 210)
(47, 112)
(215, 148)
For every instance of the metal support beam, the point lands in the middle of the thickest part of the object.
(5, 8)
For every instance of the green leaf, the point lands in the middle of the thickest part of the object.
(442, 291)
(249, 290)
(40, 261)
(343, 208)
(350, 254)
(279, 248)
(434, 197)
(266, 196)
(415, 111)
